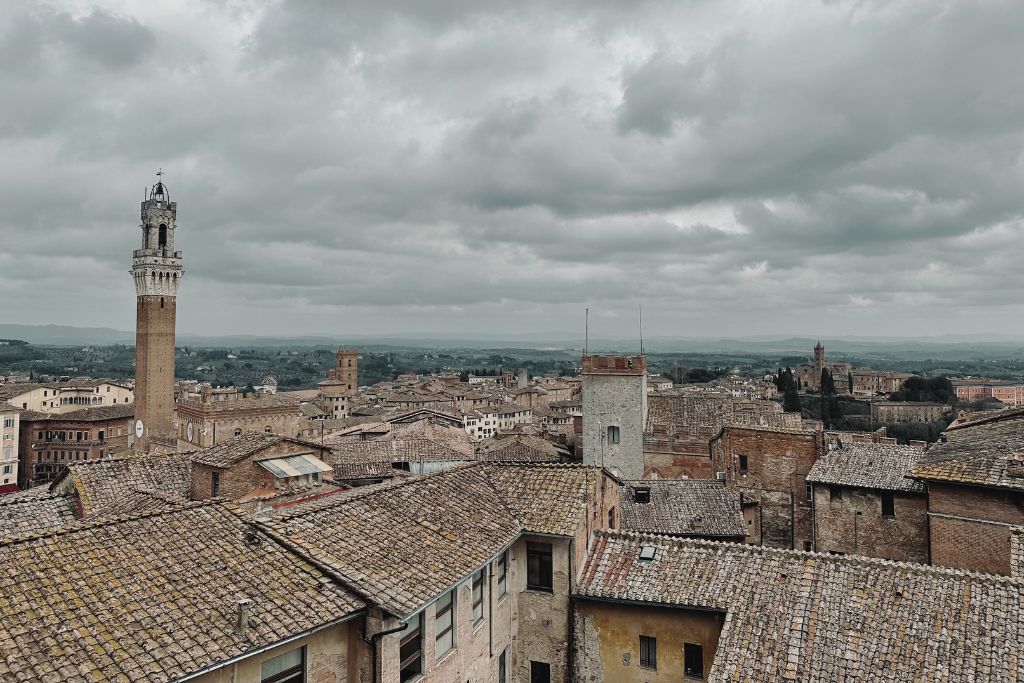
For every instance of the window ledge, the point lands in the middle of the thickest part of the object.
(446, 655)
(536, 589)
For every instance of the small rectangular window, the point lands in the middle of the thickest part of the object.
(540, 672)
(538, 567)
(215, 484)
(410, 650)
(611, 518)
(613, 435)
(444, 624)
(809, 492)
(835, 493)
(808, 546)
(503, 666)
(501, 574)
(478, 596)
(743, 463)
(287, 668)
(642, 495)
(693, 660)
(648, 652)
(888, 505)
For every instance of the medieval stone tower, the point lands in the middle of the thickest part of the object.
(819, 360)
(615, 413)
(156, 268)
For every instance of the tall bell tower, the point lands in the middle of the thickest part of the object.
(156, 268)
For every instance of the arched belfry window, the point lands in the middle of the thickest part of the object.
(163, 235)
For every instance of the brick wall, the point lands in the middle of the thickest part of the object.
(154, 364)
(777, 467)
(853, 523)
(970, 526)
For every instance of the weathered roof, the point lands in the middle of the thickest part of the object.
(29, 512)
(885, 467)
(522, 448)
(299, 464)
(245, 445)
(546, 498)
(988, 452)
(393, 450)
(152, 597)
(684, 507)
(362, 470)
(94, 414)
(402, 544)
(104, 485)
(798, 616)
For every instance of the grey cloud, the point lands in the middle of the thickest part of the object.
(425, 164)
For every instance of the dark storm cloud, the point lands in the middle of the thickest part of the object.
(361, 167)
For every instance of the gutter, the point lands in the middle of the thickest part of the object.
(271, 646)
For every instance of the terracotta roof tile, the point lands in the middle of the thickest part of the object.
(683, 507)
(885, 467)
(800, 616)
(989, 452)
(152, 597)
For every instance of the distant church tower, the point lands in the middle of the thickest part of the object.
(156, 268)
(819, 360)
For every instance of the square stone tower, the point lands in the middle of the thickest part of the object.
(157, 271)
(342, 382)
(615, 413)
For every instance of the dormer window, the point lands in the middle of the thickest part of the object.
(642, 495)
(647, 553)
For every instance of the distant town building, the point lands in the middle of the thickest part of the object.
(10, 424)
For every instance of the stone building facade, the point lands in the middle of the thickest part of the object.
(215, 416)
(865, 503)
(899, 412)
(770, 467)
(157, 271)
(10, 445)
(615, 413)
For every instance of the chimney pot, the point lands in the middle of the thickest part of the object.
(242, 623)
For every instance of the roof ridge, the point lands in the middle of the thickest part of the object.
(857, 560)
(371, 491)
(107, 521)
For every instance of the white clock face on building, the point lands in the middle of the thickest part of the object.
(138, 429)
(188, 431)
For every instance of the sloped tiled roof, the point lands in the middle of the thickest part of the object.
(393, 450)
(885, 467)
(796, 616)
(362, 470)
(988, 452)
(402, 544)
(521, 448)
(152, 597)
(104, 485)
(546, 498)
(685, 507)
(243, 446)
(31, 512)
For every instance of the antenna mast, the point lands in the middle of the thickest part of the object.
(641, 306)
(586, 332)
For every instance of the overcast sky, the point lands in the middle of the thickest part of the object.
(349, 168)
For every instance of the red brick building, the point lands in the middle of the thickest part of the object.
(975, 478)
(49, 442)
(770, 467)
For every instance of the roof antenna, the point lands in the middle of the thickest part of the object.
(586, 333)
(641, 306)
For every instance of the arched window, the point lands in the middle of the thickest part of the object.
(238, 432)
(268, 430)
(163, 236)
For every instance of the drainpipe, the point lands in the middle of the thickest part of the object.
(570, 655)
(374, 639)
